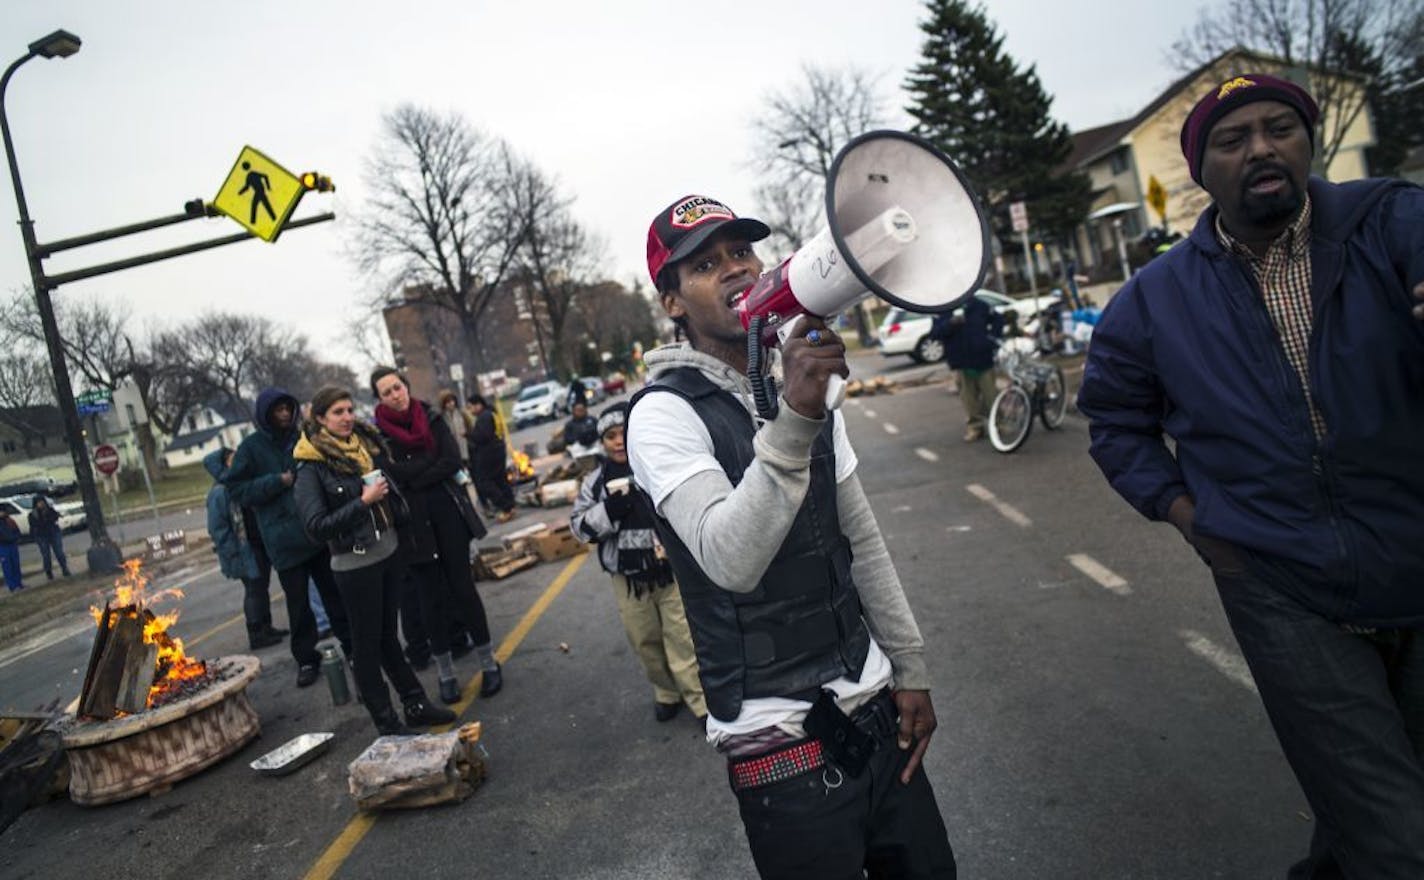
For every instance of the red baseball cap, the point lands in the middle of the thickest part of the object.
(686, 224)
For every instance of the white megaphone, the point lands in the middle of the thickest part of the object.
(902, 224)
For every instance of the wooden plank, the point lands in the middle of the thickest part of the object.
(101, 636)
(139, 668)
(126, 635)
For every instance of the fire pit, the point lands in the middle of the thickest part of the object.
(149, 715)
(134, 754)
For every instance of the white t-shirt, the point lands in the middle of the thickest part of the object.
(673, 445)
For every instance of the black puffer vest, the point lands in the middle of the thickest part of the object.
(801, 626)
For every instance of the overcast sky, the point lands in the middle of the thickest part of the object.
(630, 103)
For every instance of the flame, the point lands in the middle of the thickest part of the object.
(520, 465)
(131, 599)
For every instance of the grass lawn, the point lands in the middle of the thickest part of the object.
(180, 483)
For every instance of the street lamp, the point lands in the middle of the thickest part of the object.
(103, 554)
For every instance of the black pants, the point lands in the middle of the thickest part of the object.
(826, 825)
(371, 596)
(419, 644)
(256, 603)
(493, 487)
(299, 614)
(446, 584)
(1348, 710)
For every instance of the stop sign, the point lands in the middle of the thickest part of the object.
(106, 459)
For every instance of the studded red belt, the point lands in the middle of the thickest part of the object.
(783, 763)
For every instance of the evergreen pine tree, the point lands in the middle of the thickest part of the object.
(973, 101)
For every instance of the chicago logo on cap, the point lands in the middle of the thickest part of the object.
(697, 209)
(1227, 88)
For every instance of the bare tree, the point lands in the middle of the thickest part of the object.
(232, 354)
(612, 317)
(1317, 37)
(796, 137)
(450, 206)
(25, 386)
(557, 262)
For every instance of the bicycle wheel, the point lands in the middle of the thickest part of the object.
(1053, 399)
(1010, 419)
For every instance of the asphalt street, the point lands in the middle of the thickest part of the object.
(1095, 718)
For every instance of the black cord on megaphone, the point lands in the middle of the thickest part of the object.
(763, 387)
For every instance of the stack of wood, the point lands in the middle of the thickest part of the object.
(121, 666)
(398, 772)
(32, 765)
(878, 385)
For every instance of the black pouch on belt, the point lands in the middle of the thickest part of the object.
(846, 745)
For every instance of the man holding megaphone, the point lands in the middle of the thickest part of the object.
(810, 658)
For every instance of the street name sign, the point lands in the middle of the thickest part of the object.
(259, 194)
(94, 402)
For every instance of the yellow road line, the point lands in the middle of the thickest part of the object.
(330, 861)
(222, 626)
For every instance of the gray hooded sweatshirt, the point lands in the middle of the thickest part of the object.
(734, 532)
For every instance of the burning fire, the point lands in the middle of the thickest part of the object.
(132, 600)
(520, 467)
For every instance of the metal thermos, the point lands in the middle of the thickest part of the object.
(335, 669)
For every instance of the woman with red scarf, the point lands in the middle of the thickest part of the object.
(424, 460)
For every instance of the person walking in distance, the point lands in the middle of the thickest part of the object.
(810, 659)
(1281, 347)
(614, 513)
(443, 522)
(238, 557)
(346, 500)
(969, 337)
(47, 535)
(260, 477)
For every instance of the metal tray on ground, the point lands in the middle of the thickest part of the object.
(292, 754)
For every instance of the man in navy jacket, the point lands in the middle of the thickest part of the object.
(1282, 348)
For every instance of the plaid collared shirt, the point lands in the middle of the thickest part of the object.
(1283, 275)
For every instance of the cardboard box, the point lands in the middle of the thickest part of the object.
(519, 540)
(556, 543)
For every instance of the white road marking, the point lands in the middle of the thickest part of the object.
(1227, 662)
(958, 528)
(890, 429)
(870, 414)
(903, 508)
(1106, 577)
(926, 454)
(1008, 511)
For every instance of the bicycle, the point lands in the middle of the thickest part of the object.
(1035, 389)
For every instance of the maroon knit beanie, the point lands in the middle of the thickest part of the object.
(1237, 92)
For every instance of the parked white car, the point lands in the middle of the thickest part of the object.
(71, 513)
(539, 403)
(906, 332)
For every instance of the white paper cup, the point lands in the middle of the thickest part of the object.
(370, 477)
(618, 486)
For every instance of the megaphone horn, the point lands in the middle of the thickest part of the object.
(902, 224)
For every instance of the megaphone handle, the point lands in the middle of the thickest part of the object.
(835, 392)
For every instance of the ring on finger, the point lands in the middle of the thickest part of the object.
(814, 337)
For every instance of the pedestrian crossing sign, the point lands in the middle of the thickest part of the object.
(259, 194)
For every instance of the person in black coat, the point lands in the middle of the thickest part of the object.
(424, 459)
(487, 460)
(969, 346)
(345, 500)
(48, 536)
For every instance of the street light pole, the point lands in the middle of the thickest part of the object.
(103, 554)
